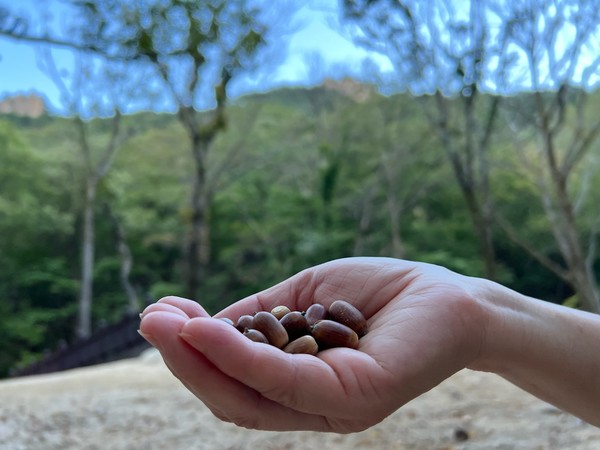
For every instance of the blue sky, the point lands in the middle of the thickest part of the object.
(315, 36)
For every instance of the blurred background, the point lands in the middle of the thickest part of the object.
(210, 149)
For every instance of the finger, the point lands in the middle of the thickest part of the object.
(367, 283)
(165, 307)
(342, 386)
(229, 399)
(163, 328)
(296, 293)
(190, 307)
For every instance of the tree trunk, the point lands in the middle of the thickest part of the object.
(94, 173)
(205, 249)
(84, 324)
(551, 178)
(584, 283)
(365, 212)
(482, 226)
(564, 225)
(198, 242)
(194, 262)
(557, 201)
(133, 303)
(395, 209)
(201, 136)
(471, 171)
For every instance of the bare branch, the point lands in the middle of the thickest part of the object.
(115, 142)
(514, 236)
(592, 244)
(580, 145)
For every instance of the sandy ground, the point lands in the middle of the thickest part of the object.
(138, 404)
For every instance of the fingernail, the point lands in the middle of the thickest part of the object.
(141, 316)
(186, 336)
(148, 337)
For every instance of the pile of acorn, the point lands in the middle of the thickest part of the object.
(317, 328)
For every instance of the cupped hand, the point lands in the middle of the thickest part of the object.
(425, 324)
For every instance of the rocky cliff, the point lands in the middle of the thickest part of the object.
(30, 105)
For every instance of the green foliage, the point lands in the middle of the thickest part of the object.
(571, 302)
(299, 177)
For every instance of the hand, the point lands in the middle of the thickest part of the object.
(424, 325)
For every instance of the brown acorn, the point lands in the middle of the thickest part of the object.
(280, 311)
(255, 335)
(267, 324)
(245, 321)
(295, 324)
(329, 333)
(314, 313)
(304, 344)
(343, 312)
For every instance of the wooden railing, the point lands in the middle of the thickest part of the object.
(112, 342)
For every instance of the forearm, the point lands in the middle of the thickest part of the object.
(551, 351)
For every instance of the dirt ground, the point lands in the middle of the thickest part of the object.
(138, 404)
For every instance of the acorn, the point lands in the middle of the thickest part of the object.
(255, 335)
(267, 324)
(329, 333)
(295, 324)
(304, 344)
(245, 321)
(280, 311)
(314, 313)
(343, 312)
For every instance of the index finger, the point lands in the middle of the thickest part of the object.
(296, 293)
(367, 283)
(341, 383)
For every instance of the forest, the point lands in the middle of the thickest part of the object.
(104, 210)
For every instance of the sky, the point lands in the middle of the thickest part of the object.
(19, 72)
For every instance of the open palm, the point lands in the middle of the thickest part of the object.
(424, 325)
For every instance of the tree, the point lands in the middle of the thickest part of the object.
(385, 146)
(92, 88)
(566, 129)
(440, 48)
(546, 46)
(407, 168)
(35, 233)
(192, 46)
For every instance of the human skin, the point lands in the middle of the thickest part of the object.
(425, 324)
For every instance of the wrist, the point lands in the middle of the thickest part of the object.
(506, 316)
(548, 350)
